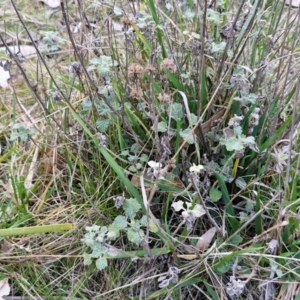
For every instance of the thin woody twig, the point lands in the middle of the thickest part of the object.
(221, 231)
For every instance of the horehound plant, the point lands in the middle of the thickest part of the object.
(186, 110)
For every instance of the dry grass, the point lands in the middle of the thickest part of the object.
(56, 171)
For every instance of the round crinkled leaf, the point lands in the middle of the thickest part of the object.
(132, 169)
(233, 144)
(241, 183)
(101, 263)
(131, 207)
(185, 133)
(99, 250)
(218, 47)
(144, 157)
(87, 259)
(144, 221)
(152, 226)
(236, 240)
(120, 222)
(135, 148)
(162, 126)
(102, 124)
(194, 119)
(135, 236)
(214, 194)
(176, 111)
(138, 166)
(113, 232)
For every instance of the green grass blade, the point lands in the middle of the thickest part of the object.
(35, 229)
(229, 208)
(110, 160)
(258, 219)
(273, 138)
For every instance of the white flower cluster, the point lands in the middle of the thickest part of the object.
(235, 287)
(170, 277)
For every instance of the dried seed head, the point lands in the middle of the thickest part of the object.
(150, 68)
(75, 68)
(135, 71)
(126, 21)
(163, 97)
(168, 64)
(136, 93)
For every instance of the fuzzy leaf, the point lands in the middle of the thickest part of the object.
(101, 263)
(89, 238)
(184, 134)
(113, 232)
(197, 211)
(144, 221)
(194, 119)
(152, 226)
(236, 240)
(233, 144)
(176, 111)
(225, 267)
(162, 126)
(188, 14)
(120, 222)
(135, 236)
(102, 108)
(131, 207)
(241, 183)
(154, 165)
(249, 206)
(102, 124)
(213, 16)
(248, 140)
(214, 194)
(144, 158)
(86, 106)
(135, 148)
(98, 250)
(87, 259)
(243, 217)
(138, 166)
(216, 48)
(125, 153)
(132, 169)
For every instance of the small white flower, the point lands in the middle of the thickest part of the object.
(197, 211)
(154, 165)
(196, 169)
(178, 205)
(281, 156)
(156, 170)
(235, 287)
(272, 246)
(189, 215)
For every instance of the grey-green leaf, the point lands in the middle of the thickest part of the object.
(101, 263)
(176, 111)
(131, 207)
(214, 194)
